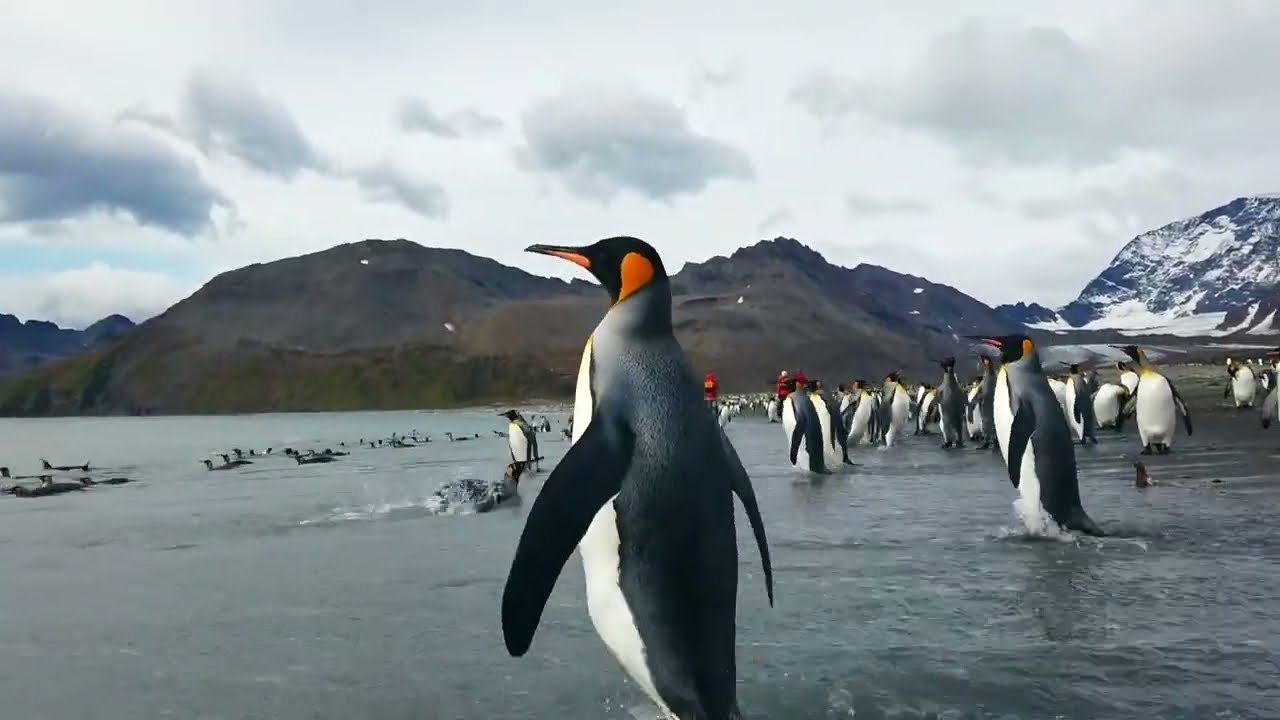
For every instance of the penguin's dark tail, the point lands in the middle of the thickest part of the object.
(1081, 522)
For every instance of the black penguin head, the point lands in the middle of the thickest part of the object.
(1012, 347)
(623, 265)
(1132, 351)
(510, 414)
(948, 364)
(841, 388)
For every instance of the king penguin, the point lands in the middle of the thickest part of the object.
(986, 400)
(1128, 378)
(803, 428)
(646, 494)
(835, 438)
(522, 440)
(1156, 404)
(1271, 403)
(895, 408)
(1035, 440)
(1080, 415)
(865, 414)
(1243, 385)
(951, 404)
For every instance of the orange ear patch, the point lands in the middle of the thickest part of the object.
(1027, 347)
(636, 272)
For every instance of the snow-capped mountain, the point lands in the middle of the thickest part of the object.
(1214, 274)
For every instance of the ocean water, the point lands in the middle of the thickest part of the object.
(905, 589)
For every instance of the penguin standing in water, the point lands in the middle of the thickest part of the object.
(1243, 386)
(951, 404)
(646, 494)
(985, 405)
(864, 414)
(1080, 415)
(522, 440)
(1271, 403)
(895, 408)
(1156, 404)
(835, 438)
(803, 428)
(1035, 440)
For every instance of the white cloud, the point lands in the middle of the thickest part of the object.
(1072, 126)
(80, 296)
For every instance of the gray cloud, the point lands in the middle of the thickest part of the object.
(384, 182)
(1187, 78)
(599, 143)
(415, 115)
(1123, 208)
(774, 219)
(55, 166)
(866, 205)
(227, 115)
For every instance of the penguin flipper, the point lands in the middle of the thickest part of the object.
(741, 484)
(589, 475)
(796, 436)
(1182, 406)
(1024, 423)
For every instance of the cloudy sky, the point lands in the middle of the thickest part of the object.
(1008, 148)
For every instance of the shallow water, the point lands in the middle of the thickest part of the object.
(904, 590)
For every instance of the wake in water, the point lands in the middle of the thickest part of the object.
(461, 496)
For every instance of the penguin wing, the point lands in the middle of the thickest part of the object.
(1182, 406)
(1024, 424)
(589, 475)
(1269, 407)
(741, 484)
(1226, 391)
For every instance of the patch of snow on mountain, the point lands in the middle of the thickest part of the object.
(1264, 327)
(1132, 317)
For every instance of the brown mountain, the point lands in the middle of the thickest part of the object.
(28, 345)
(393, 324)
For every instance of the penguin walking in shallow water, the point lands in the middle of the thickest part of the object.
(1156, 405)
(864, 415)
(1035, 440)
(1080, 416)
(522, 440)
(803, 428)
(895, 409)
(951, 404)
(834, 436)
(646, 494)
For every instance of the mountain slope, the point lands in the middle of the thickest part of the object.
(27, 345)
(1213, 274)
(363, 325)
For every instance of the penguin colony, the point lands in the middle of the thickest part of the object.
(646, 491)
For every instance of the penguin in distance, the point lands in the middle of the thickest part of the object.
(522, 440)
(645, 493)
(1155, 404)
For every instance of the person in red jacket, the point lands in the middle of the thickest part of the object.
(711, 388)
(781, 390)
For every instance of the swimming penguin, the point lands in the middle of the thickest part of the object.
(480, 496)
(803, 429)
(646, 493)
(1035, 439)
(1079, 398)
(1243, 386)
(1108, 401)
(864, 414)
(895, 408)
(63, 468)
(521, 440)
(1156, 404)
(950, 406)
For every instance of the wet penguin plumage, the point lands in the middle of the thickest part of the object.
(1155, 405)
(646, 494)
(950, 406)
(1035, 439)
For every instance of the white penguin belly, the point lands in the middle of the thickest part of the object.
(1243, 387)
(1129, 380)
(1060, 390)
(1156, 414)
(832, 458)
(861, 422)
(1069, 406)
(1106, 404)
(1028, 505)
(606, 605)
(518, 442)
(899, 416)
(975, 426)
